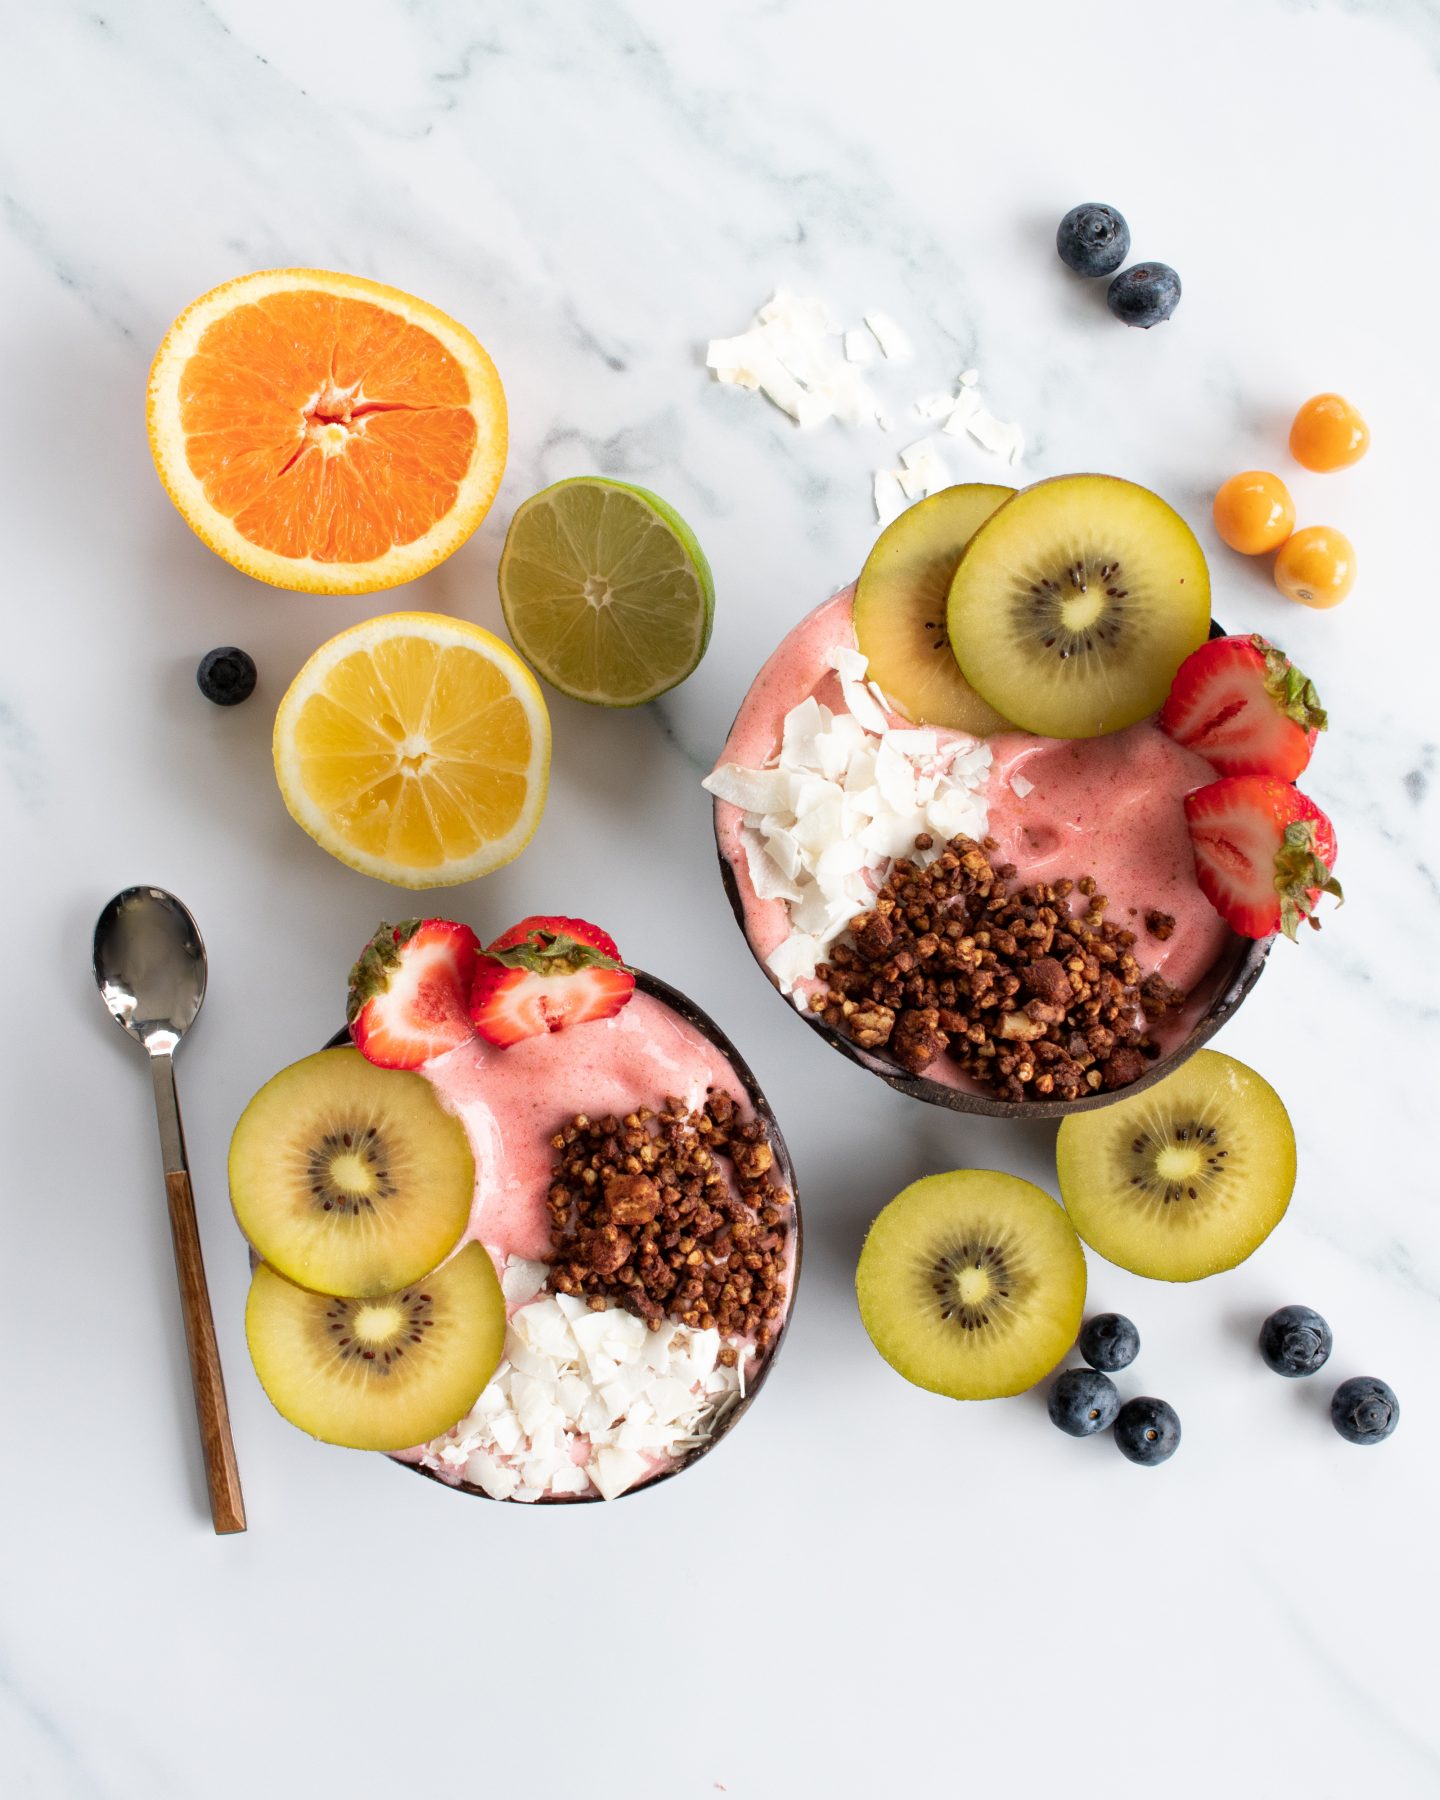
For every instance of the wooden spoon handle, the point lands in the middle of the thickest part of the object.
(227, 1505)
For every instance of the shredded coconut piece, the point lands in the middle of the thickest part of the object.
(1020, 786)
(848, 793)
(795, 354)
(895, 345)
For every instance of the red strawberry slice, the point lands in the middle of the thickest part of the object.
(409, 992)
(1245, 707)
(1263, 853)
(544, 974)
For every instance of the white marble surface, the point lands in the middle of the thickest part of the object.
(867, 1591)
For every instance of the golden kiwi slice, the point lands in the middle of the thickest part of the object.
(383, 1373)
(1185, 1179)
(1076, 602)
(348, 1178)
(900, 602)
(972, 1284)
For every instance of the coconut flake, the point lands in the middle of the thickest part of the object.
(890, 496)
(860, 346)
(613, 1470)
(522, 1280)
(753, 790)
(895, 345)
(1021, 787)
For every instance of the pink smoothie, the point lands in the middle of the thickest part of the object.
(1110, 807)
(512, 1101)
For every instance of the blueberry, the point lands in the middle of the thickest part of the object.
(1144, 295)
(1093, 239)
(1364, 1410)
(1147, 1431)
(1109, 1341)
(1295, 1341)
(1083, 1402)
(226, 676)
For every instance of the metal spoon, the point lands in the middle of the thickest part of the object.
(150, 969)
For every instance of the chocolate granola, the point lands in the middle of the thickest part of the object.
(1030, 997)
(644, 1215)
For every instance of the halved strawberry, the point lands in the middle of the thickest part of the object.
(1263, 853)
(1244, 706)
(545, 973)
(410, 990)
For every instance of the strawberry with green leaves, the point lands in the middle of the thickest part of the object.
(1264, 853)
(410, 990)
(1244, 706)
(545, 974)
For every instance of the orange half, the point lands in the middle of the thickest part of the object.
(324, 432)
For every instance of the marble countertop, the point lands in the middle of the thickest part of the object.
(866, 1591)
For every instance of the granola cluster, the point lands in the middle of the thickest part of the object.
(1030, 997)
(644, 1214)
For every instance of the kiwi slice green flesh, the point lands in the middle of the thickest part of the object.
(1185, 1179)
(900, 602)
(1074, 604)
(386, 1372)
(350, 1179)
(972, 1284)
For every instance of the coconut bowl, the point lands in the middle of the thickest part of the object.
(700, 1021)
(1218, 997)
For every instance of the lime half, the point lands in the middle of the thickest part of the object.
(605, 590)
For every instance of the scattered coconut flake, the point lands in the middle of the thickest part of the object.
(1021, 786)
(967, 404)
(934, 406)
(895, 345)
(890, 498)
(860, 345)
(794, 353)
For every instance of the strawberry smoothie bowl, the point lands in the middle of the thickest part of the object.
(528, 1225)
(1017, 834)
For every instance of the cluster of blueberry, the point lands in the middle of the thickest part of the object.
(1293, 1341)
(1095, 240)
(1084, 1401)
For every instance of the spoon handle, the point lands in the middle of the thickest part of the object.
(222, 1473)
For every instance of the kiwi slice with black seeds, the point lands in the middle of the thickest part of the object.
(1075, 603)
(1185, 1179)
(900, 602)
(972, 1284)
(350, 1179)
(382, 1373)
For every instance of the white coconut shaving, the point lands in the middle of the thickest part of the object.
(799, 358)
(586, 1398)
(845, 795)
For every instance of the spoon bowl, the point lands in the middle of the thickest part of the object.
(150, 966)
